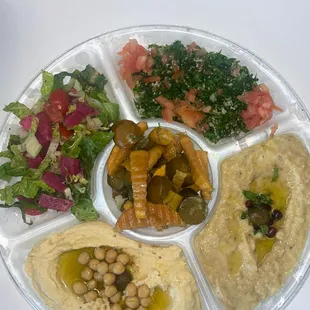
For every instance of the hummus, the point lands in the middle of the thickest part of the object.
(163, 267)
(243, 268)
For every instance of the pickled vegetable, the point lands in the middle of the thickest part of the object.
(258, 216)
(161, 136)
(126, 134)
(179, 163)
(179, 179)
(198, 166)
(170, 151)
(160, 171)
(158, 189)
(116, 158)
(139, 163)
(122, 280)
(193, 210)
(154, 155)
(173, 200)
(187, 192)
(119, 180)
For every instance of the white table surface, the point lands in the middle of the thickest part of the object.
(34, 32)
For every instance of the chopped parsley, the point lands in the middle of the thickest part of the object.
(275, 174)
(217, 78)
(257, 199)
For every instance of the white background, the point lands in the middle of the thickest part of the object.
(34, 32)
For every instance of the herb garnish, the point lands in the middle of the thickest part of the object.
(257, 199)
(275, 174)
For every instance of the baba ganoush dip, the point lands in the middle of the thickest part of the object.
(244, 266)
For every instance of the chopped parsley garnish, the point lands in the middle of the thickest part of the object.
(217, 78)
(275, 174)
(244, 215)
(257, 199)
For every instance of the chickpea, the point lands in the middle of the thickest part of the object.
(144, 291)
(118, 268)
(103, 268)
(131, 290)
(84, 258)
(92, 284)
(132, 302)
(145, 302)
(123, 258)
(99, 253)
(90, 296)
(102, 293)
(93, 264)
(111, 267)
(79, 288)
(111, 256)
(116, 307)
(141, 308)
(109, 278)
(110, 291)
(87, 274)
(98, 277)
(116, 298)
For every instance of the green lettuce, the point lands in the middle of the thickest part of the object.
(47, 83)
(84, 210)
(26, 187)
(91, 146)
(7, 154)
(18, 109)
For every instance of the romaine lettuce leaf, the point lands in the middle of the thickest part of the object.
(7, 154)
(47, 83)
(17, 108)
(91, 146)
(84, 210)
(26, 187)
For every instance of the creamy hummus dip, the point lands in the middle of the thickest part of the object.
(243, 268)
(163, 267)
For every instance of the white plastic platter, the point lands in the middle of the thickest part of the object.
(17, 238)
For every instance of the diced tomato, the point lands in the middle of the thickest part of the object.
(65, 133)
(274, 128)
(260, 106)
(190, 97)
(54, 115)
(141, 63)
(59, 100)
(32, 211)
(191, 47)
(189, 117)
(164, 102)
(206, 109)
(167, 115)
(179, 74)
(277, 108)
(135, 58)
(151, 79)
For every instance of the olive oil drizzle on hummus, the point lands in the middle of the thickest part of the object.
(69, 271)
(278, 193)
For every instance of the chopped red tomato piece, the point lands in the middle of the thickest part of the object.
(54, 115)
(167, 115)
(165, 103)
(59, 100)
(151, 79)
(65, 133)
(260, 106)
